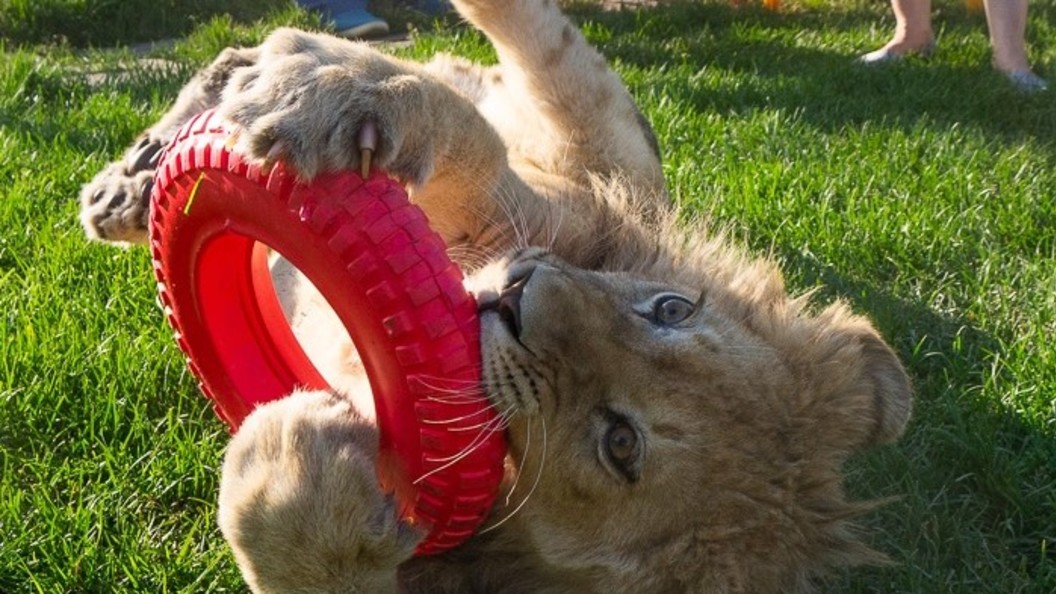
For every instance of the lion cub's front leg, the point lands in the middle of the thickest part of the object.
(114, 205)
(300, 505)
(309, 96)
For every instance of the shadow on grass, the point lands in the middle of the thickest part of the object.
(973, 482)
(99, 23)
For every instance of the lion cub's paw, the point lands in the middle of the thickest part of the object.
(115, 204)
(309, 97)
(300, 504)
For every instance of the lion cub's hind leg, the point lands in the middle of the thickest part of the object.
(114, 203)
(558, 92)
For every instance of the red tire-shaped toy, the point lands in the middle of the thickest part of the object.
(371, 254)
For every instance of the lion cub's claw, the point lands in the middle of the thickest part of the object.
(274, 155)
(367, 141)
(146, 155)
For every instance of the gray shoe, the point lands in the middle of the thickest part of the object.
(887, 56)
(1026, 81)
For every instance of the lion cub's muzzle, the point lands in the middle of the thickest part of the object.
(514, 376)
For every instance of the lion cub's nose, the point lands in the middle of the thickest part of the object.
(509, 303)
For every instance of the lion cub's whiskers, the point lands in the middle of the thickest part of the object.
(446, 385)
(472, 257)
(514, 213)
(554, 229)
(489, 427)
(516, 482)
(452, 420)
(492, 425)
(462, 392)
(457, 399)
(524, 457)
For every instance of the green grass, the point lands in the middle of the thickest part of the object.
(923, 193)
(106, 22)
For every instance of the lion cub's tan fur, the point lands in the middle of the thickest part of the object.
(677, 421)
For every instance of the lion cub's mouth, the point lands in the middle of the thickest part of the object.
(507, 303)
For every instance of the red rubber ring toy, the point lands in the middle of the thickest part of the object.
(387, 276)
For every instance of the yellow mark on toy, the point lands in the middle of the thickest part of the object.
(194, 192)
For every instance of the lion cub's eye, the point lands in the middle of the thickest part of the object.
(669, 310)
(623, 448)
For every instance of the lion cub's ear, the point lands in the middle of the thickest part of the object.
(864, 392)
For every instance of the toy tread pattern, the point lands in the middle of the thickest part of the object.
(371, 245)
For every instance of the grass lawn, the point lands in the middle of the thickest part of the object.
(924, 193)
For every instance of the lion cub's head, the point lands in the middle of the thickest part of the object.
(681, 424)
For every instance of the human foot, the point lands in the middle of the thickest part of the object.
(896, 50)
(1026, 81)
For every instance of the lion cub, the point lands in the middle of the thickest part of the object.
(677, 422)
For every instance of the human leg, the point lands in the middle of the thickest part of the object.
(1007, 22)
(913, 32)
